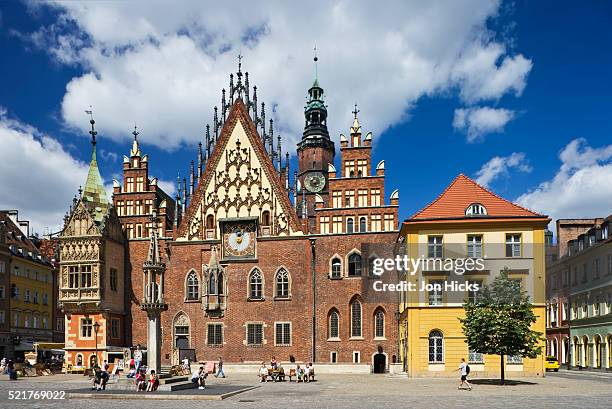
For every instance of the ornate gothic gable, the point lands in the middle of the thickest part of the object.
(81, 223)
(239, 181)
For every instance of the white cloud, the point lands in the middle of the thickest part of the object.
(477, 122)
(500, 165)
(581, 186)
(168, 186)
(163, 65)
(39, 178)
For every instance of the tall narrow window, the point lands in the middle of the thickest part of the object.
(363, 224)
(212, 283)
(513, 245)
(220, 282)
(350, 225)
(256, 285)
(282, 283)
(86, 327)
(86, 276)
(334, 324)
(474, 246)
(193, 290)
(434, 246)
(265, 218)
(214, 334)
(356, 319)
(282, 334)
(254, 334)
(379, 324)
(436, 347)
(336, 268)
(73, 277)
(354, 265)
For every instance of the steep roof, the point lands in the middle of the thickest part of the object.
(238, 115)
(461, 193)
(94, 193)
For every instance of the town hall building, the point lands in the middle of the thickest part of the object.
(258, 261)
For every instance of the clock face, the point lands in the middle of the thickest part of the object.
(315, 182)
(239, 239)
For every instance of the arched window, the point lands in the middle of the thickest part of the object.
(212, 283)
(354, 265)
(336, 268)
(350, 225)
(256, 285)
(220, 282)
(193, 286)
(379, 324)
(356, 319)
(265, 218)
(334, 324)
(476, 209)
(363, 224)
(436, 347)
(282, 283)
(210, 222)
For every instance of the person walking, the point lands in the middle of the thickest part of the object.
(464, 370)
(220, 372)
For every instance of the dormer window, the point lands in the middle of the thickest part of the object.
(476, 209)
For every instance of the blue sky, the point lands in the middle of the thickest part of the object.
(532, 123)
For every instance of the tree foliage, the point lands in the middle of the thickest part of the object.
(499, 321)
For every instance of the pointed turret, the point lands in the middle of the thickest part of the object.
(94, 193)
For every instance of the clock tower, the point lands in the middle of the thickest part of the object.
(315, 152)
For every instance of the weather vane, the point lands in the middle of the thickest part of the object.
(356, 111)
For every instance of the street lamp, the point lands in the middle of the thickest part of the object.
(96, 327)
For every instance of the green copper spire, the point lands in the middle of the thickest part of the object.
(94, 193)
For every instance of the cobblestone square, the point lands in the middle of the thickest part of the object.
(569, 389)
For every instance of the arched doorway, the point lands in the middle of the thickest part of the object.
(380, 363)
(181, 331)
(565, 351)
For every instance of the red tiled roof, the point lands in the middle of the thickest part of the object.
(462, 192)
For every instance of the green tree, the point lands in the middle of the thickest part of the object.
(499, 321)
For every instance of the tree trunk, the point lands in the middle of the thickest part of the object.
(503, 378)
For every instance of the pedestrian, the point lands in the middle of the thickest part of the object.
(220, 372)
(464, 370)
(137, 357)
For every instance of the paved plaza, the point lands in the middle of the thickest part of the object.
(566, 389)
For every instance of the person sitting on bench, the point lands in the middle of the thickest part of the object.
(263, 372)
(199, 377)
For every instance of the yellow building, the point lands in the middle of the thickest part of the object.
(466, 222)
(30, 288)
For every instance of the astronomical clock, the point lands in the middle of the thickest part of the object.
(315, 182)
(239, 238)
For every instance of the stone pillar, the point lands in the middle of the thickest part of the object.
(153, 341)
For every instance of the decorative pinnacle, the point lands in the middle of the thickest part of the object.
(135, 133)
(239, 62)
(356, 111)
(315, 59)
(93, 132)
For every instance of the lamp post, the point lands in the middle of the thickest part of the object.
(96, 327)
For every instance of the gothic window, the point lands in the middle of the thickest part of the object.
(334, 324)
(73, 277)
(349, 225)
(193, 287)
(282, 283)
(210, 222)
(436, 347)
(354, 265)
(220, 284)
(363, 224)
(379, 324)
(265, 218)
(256, 285)
(212, 283)
(336, 268)
(356, 319)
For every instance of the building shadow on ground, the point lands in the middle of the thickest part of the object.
(508, 382)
